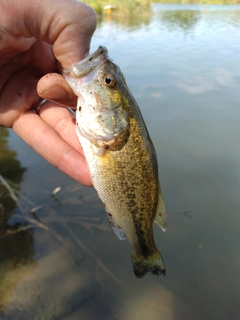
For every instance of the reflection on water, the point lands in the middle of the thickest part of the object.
(182, 64)
(16, 240)
(40, 244)
(185, 19)
(129, 22)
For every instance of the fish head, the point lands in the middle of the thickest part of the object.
(102, 112)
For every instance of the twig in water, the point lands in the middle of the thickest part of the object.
(99, 262)
(20, 229)
(11, 192)
(33, 210)
(56, 190)
(186, 213)
(33, 221)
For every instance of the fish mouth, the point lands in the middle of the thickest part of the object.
(85, 66)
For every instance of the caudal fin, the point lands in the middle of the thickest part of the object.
(152, 263)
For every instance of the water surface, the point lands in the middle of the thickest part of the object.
(182, 65)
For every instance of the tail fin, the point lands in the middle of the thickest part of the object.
(152, 263)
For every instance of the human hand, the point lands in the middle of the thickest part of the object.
(37, 38)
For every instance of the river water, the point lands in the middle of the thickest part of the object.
(183, 66)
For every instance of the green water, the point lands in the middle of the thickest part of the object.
(182, 65)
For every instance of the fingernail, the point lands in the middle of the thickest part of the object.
(86, 54)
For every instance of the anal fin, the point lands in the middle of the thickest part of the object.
(116, 228)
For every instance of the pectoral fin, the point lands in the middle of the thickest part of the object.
(161, 215)
(116, 228)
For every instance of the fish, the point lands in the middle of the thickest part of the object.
(120, 155)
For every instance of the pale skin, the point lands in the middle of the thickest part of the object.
(37, 40)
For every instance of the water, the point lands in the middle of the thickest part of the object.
(182, 65)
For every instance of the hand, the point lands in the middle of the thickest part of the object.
(36, 39)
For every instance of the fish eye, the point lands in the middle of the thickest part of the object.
(109, 80)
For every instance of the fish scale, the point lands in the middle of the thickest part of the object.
(120, 155)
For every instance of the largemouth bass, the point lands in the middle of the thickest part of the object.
(120, 155)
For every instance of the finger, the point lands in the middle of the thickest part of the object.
(69, 26)
(71, 41)
(46, 141)
(53, 87)
(18, 95)
(63, 122)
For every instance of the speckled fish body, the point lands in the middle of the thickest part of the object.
(120, 156)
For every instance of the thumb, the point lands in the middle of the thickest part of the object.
(73, 35)
(66, 24)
